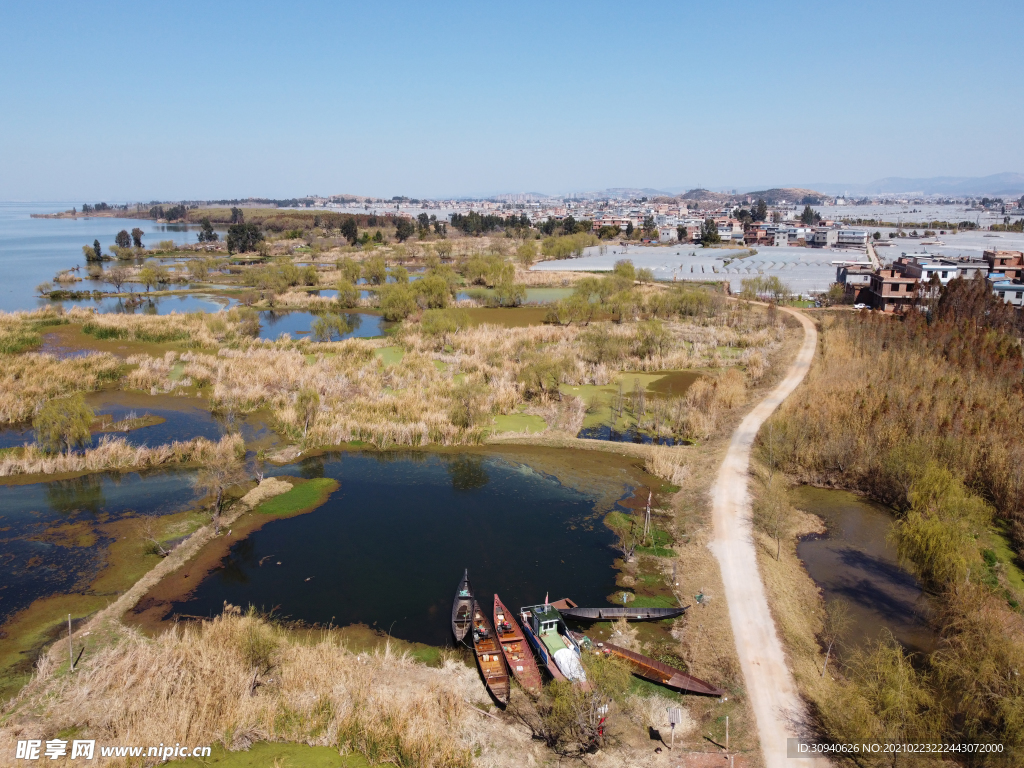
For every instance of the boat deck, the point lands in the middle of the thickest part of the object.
(553, 642)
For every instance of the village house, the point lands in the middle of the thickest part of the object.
(890, 290)
(1009, 263)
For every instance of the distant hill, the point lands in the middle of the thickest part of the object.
(996, 185)
(770, 196)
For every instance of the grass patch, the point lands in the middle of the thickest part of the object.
(389, 355)
(519, 422)
(264, 753)
(301, 498)
(157, 336)
(177, 371)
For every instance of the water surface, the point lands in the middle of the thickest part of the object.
(854, 561)
(388, 548)
(298, 325)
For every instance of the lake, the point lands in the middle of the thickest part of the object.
(32, 251)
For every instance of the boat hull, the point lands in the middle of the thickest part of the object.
(517, 649)
(629, 614)
(489, 656)
(462, 608)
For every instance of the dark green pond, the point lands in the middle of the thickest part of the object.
(855, 562)
(388, 548)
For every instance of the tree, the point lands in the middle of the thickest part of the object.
(681, 233)
(97, 250)
(237, 217)
(423, 223)
(809, 216)
(64, 423)
(243, 238)
(760, 211)
(404, 229)
(649, 229)
(444, 323)
(137, 237)
(348, 295)
(629, 229)
(399, 274)
(624, 268)
(123, 239)
(221, 471)
(90, 254)
(330, 328)
(148, 277)
(307, 405)
(526, 253)
(350, 230)
(375, 270)
(206, 233)
(709, 233)
(350, 269)
(877, 236)
(397, 302)
(837, 621)
(773, 513)
(117, 276)
(432, 292)
(645, 275)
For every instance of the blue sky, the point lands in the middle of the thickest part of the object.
(140, 101)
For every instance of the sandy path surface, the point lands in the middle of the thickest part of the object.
(777, 706)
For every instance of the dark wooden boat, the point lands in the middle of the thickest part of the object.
(623, 612)
(517, 651)
(658, 672)
(489, 656)
(462, 609)
(546, 632)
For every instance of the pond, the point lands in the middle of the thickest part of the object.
(177, 418)
(151, 305)
(533, 295)
(389, 546)
(298, 325)
(631, 435)
(55, 540)
(854, 561)
(333, 294)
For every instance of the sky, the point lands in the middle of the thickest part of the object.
(204, 100)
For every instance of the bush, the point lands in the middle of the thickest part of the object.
(397, 302)
(348, 294)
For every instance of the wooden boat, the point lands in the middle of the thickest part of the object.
(659, 672)
(517, 651)
(489, 656)
(622, 612)
(462, 609)
(546, 632)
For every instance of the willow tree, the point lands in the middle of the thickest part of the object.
(64, 424)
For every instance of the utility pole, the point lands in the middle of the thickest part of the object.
(71, 646)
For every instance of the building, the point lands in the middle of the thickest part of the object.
(891, 291)
(780, 239)
(924, 266)
(668, 234)
(852, 238)
(1010, 263)
(968, 268)
(1010, 291)
(823, 237)
(856, 279)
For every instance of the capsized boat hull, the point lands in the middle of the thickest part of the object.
(659, 672)
(621, 612)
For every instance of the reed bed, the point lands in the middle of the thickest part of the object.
(499, 370)
(117, 453)
(237, 680)
(30, 379)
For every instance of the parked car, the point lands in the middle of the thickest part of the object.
(861, 306)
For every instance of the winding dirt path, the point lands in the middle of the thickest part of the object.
(777, 706)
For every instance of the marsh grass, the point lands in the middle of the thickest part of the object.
(237, 680)
(115, 453)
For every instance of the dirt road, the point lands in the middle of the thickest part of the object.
(769, 683)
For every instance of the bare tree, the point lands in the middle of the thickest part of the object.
(837, 621)
(773, 513)
(220, 473)
(117, 276)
